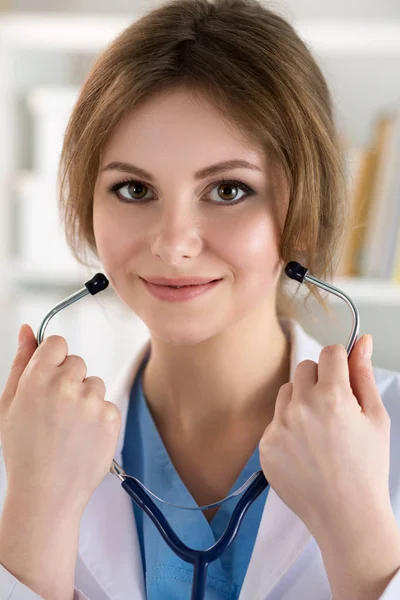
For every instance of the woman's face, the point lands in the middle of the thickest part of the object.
(174, 224)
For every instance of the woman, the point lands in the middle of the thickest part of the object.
(228, 382)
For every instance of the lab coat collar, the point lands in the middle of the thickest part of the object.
(108, 542)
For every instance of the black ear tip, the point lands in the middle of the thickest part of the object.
(296, 271)
(98, 283)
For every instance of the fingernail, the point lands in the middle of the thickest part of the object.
(367, 346)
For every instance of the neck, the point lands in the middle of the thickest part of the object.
(219, 382)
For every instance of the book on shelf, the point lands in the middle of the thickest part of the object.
(372, 248)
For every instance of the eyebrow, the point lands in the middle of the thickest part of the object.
(201, 174)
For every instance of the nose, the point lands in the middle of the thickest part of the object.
(178, 233)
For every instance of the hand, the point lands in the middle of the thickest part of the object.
(58, 434)
(326, 451)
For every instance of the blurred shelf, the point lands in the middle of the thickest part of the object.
(23, 273)
(66, 32)
(91, 33)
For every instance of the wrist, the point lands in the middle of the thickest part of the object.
(40, 505)
(362, 529)
(361, 561)
(39, 548)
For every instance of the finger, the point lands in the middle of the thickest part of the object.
(282, 401)
(27, 346)
(306, 375)
(53, 350)
(333, 366)
(362, 380)
(75, 366)
(97, 383)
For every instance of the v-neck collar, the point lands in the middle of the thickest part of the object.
(161, 455)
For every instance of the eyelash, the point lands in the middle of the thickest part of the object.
(235, 183)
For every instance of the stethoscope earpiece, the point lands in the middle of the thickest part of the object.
(295, 271)
(98, 283)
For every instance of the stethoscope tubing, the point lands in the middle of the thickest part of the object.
(200, 559)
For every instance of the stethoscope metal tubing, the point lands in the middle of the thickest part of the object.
(354, 311)
(297, 272)
(200, 559)
(63, 304)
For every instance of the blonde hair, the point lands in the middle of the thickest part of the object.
(254, 68)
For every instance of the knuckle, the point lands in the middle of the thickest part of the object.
(95, 379)
(76, 359)
(307, 363)
(65, 386)
(266, 439)
(91, 394)
(305, 366)
(111, 413)
(96, 383)
(56, 340)
(75, 365)
(270, 441)
(91, 404)
(332, 394)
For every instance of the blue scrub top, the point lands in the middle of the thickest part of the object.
(168, 577)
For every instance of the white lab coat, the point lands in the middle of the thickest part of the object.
(286, 563)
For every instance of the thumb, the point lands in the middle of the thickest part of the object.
(362, 379)
(27, 345)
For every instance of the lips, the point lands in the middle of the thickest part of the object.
(180, 282)
(189, 284)
(170, 293)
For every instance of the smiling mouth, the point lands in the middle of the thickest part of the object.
(177, 287)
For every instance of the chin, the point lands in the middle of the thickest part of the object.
(183, 335)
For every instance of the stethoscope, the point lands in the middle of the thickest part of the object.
(200, 559)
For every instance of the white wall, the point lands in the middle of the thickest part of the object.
(368, 9)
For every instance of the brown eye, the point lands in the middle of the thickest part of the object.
(137, 190)
(129, 191)
(226, 190)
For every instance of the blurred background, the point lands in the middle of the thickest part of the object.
(46, 50)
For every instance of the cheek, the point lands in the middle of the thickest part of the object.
(250, 245)
(115, 236)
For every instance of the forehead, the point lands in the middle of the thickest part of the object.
(176, 122)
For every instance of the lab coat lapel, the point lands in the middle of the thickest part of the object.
(108, 541)
(281, 539)
(282, 535)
